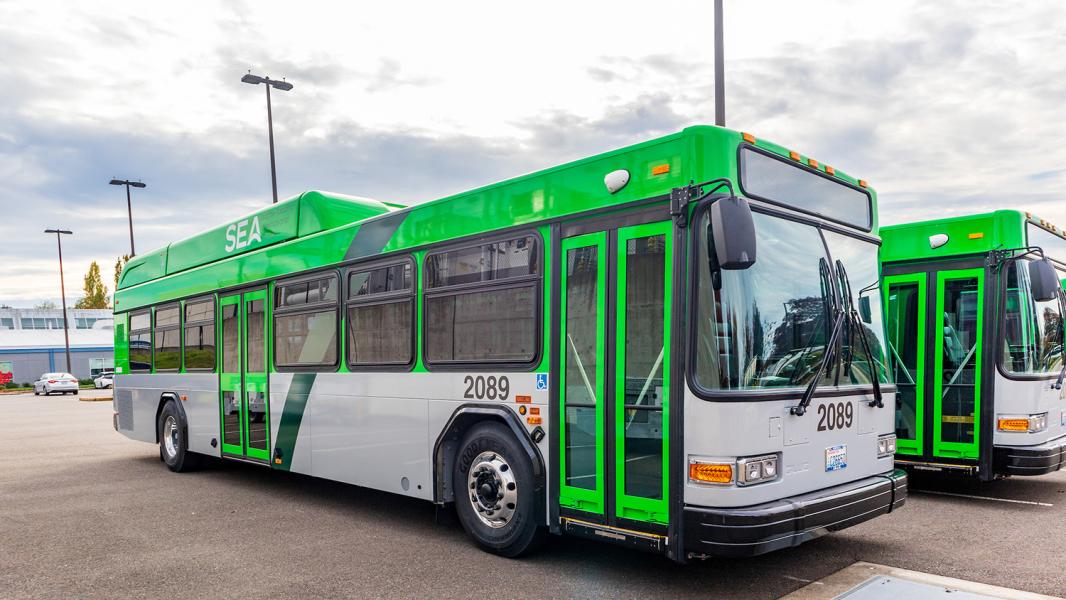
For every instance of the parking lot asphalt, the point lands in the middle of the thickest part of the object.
(85, 512)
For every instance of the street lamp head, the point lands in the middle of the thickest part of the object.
(117, 182)
(137, 184)
(253, 79)
(281, 85)
(59, 231)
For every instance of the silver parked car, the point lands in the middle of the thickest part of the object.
(64, 383)
(105, 380)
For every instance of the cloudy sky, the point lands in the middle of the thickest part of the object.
(946, 107)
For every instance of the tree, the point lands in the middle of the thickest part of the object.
(95, 290)
(120, 263)
(46, 305)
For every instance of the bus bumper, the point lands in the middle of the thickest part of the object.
(1030, 460)
(754, 530)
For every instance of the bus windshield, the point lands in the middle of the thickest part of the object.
(1033, 331)
(767, 326)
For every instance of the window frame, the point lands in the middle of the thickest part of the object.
(392, 297)
(306, 308)
(178, 327)
(534, 281)
(151, 339)
(214, 330)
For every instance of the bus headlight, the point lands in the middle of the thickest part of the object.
(1021, 423)
(886, 445)
(756, 469)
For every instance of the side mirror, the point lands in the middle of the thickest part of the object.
(865, 311)
(733, 230)
(1043, 281)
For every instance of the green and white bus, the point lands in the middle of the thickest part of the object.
(660, 346)
(975, 308)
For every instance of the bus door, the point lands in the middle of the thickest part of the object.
(243, 378)
(614, 375)
(935, 342)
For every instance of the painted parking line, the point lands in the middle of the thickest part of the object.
(990, 498)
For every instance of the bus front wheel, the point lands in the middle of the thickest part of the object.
(173, 442)
(494, 493)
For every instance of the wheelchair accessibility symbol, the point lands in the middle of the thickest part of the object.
(542, 381)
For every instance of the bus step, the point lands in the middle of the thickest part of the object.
(639, 540)
(920, 465)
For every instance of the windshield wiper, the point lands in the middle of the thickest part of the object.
(828, 360)
(856, 323)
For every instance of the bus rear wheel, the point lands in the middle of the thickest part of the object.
(494, 493)
(173, 442)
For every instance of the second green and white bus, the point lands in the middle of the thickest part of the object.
(677, 346)
(975, 308)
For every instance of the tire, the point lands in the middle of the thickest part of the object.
(490, 463)
(173, 440)
(35, 392)
(75, 392)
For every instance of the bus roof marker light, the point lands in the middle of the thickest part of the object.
(830, 170)
(976, 235)
(812, 162)
(794, 155)
(862, 183)
(660, 169)
(616, 180)
(749, 138)
(937, 240)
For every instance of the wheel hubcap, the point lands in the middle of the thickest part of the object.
(170, 436)
(493, 489)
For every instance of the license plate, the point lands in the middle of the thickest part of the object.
(836, 458)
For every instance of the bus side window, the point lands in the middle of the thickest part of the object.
(199, 348)
(380, 320)
(167, 338)
(481, 303)
(305, 323)
(140, 342)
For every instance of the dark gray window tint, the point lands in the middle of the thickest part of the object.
(496, 325)
(306, 338)
(167, 349)
(487, 262)
(141, 341)
(787, 183)
(200, 335)
(141, 351)
(139, 321)
(255, 327)
(383, 280)
(380, 333)
(231, 338)
(307, 292)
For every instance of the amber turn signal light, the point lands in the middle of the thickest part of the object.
(710, 472)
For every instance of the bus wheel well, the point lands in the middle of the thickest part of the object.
(463, 420)
(163, 399)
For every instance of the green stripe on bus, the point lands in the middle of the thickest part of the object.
(291, 417)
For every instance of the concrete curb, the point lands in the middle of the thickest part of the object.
(97, 399)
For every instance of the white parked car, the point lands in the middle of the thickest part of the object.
(64, 383)
(104, 380)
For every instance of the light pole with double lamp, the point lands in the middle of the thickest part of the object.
(283, 86)
(63, 288)
(129, 205)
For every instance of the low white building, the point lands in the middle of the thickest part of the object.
(31, 342)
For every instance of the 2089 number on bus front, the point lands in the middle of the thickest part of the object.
(487, 388)
(838, 415)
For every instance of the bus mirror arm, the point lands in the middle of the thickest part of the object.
(827, 359)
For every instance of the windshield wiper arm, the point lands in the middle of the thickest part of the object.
(856, 322)
(828, 359)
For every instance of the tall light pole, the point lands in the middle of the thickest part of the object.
(129, 205)
(63, 289)
(283, 86)
(719, 66)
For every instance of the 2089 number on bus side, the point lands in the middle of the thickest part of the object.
(487, 388)
(832, 416)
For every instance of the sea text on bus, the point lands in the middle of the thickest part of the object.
(239, 236)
